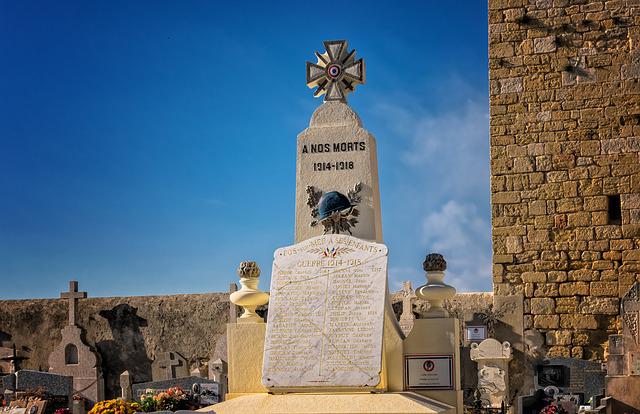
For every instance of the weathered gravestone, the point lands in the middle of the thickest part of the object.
(168, 365)
(52, 384)
(218, 369)
(407, 317)
(125, 386)
(10, 360)
(623, 365)
(73, 357)
(57, 388)
(326, 314)
(493, 371)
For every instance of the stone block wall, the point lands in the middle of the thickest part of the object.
(565, 135)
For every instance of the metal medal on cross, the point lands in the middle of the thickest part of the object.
(336, 73)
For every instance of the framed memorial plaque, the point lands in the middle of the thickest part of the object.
(209, 394)
(428, 372)
(476, 333)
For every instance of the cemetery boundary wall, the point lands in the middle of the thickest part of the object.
(128, 332)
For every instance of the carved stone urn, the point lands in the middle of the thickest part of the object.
(435, 291)
(249, 297)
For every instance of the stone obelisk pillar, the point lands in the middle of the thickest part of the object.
(336, 156)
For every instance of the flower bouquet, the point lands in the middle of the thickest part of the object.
(172, 399)
(114, 407)
(553, 408)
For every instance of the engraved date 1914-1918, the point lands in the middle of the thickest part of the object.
(330, 166)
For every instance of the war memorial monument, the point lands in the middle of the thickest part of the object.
(331, 342)
(559, 329)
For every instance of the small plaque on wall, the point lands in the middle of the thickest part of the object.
(476, 333)
(428, 372)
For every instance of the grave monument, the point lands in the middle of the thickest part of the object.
(10, 360)
(332, 343)
(493, 371)
(125, 386)
(218, 372)
(407, 317)
(169, 365)
(73, 357)
(622, 382)
(56, 389)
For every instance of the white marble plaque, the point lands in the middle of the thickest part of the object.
(428, 372)
(326, 313)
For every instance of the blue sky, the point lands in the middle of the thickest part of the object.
(147, 147)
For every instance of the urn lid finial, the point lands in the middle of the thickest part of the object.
(248, 270)
(434, 262)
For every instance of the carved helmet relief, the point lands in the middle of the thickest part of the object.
(335, 211)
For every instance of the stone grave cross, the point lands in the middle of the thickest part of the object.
(14, 360)
(73, 295)
(406, 317)
(170, 364)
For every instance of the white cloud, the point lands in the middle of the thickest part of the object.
(451, 147)
(442, 147)
(459, 233)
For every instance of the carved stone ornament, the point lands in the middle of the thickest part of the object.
(249, 296)
(631, 311)
(434, 262)
(435, 291)
(335, 211)
(336, 73)
(248, 270)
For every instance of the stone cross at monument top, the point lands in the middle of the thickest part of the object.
(73, 295)
(337, 165)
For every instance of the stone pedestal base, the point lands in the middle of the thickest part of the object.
(245, 345)
(437, 336)
(389, 403)
(625, 394)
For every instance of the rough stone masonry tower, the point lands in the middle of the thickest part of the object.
(565, 172)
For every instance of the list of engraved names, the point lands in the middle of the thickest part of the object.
(326, 314)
